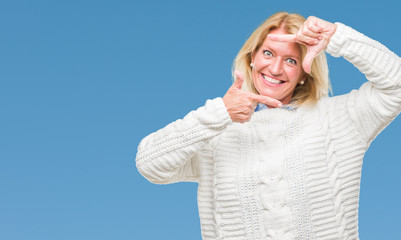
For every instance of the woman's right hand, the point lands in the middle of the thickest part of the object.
(241, 104)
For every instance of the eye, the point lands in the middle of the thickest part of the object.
(292, 61)
(267, 53)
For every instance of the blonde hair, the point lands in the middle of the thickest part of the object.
(316, 84)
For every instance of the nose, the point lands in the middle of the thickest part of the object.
(276, 67)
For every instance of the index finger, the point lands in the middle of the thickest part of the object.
(282, 37)
(266, 100)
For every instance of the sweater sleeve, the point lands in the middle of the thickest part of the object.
(378, 101)
(170, 154)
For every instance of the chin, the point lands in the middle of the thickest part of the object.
(271, 94)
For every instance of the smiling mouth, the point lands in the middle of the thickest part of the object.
(271, 80)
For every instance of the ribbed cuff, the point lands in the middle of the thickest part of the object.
(338, 40)
(216, 112)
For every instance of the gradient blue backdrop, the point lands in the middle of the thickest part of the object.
(82, 82)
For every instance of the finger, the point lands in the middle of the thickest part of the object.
(266, 100)
(315, 28)
(307, 40)
(313, 24)
(282, 37)
(254, 105)
(238, 80)
(310, 32)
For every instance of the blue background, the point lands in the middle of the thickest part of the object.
(82, 82)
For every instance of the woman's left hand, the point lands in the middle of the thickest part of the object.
(315, 33)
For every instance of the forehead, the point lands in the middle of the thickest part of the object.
(282, 48)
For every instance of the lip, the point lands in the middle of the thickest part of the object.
(268, 83)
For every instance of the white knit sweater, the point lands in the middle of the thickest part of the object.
(285, 174)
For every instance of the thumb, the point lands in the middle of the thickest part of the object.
(308, 60)
(238, 80)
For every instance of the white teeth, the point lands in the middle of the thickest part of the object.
(271, 80)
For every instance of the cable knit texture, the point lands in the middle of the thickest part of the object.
(285, 174)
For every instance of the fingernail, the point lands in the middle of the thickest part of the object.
(316, 41)
(280, 105)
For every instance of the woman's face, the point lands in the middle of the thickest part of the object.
(277, 68)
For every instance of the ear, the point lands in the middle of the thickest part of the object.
(303, 78)
(253, 53)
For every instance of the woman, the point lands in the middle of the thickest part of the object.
(276, 158)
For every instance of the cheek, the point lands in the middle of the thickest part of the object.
(255, 78)
(294, 74)
(260, 61)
